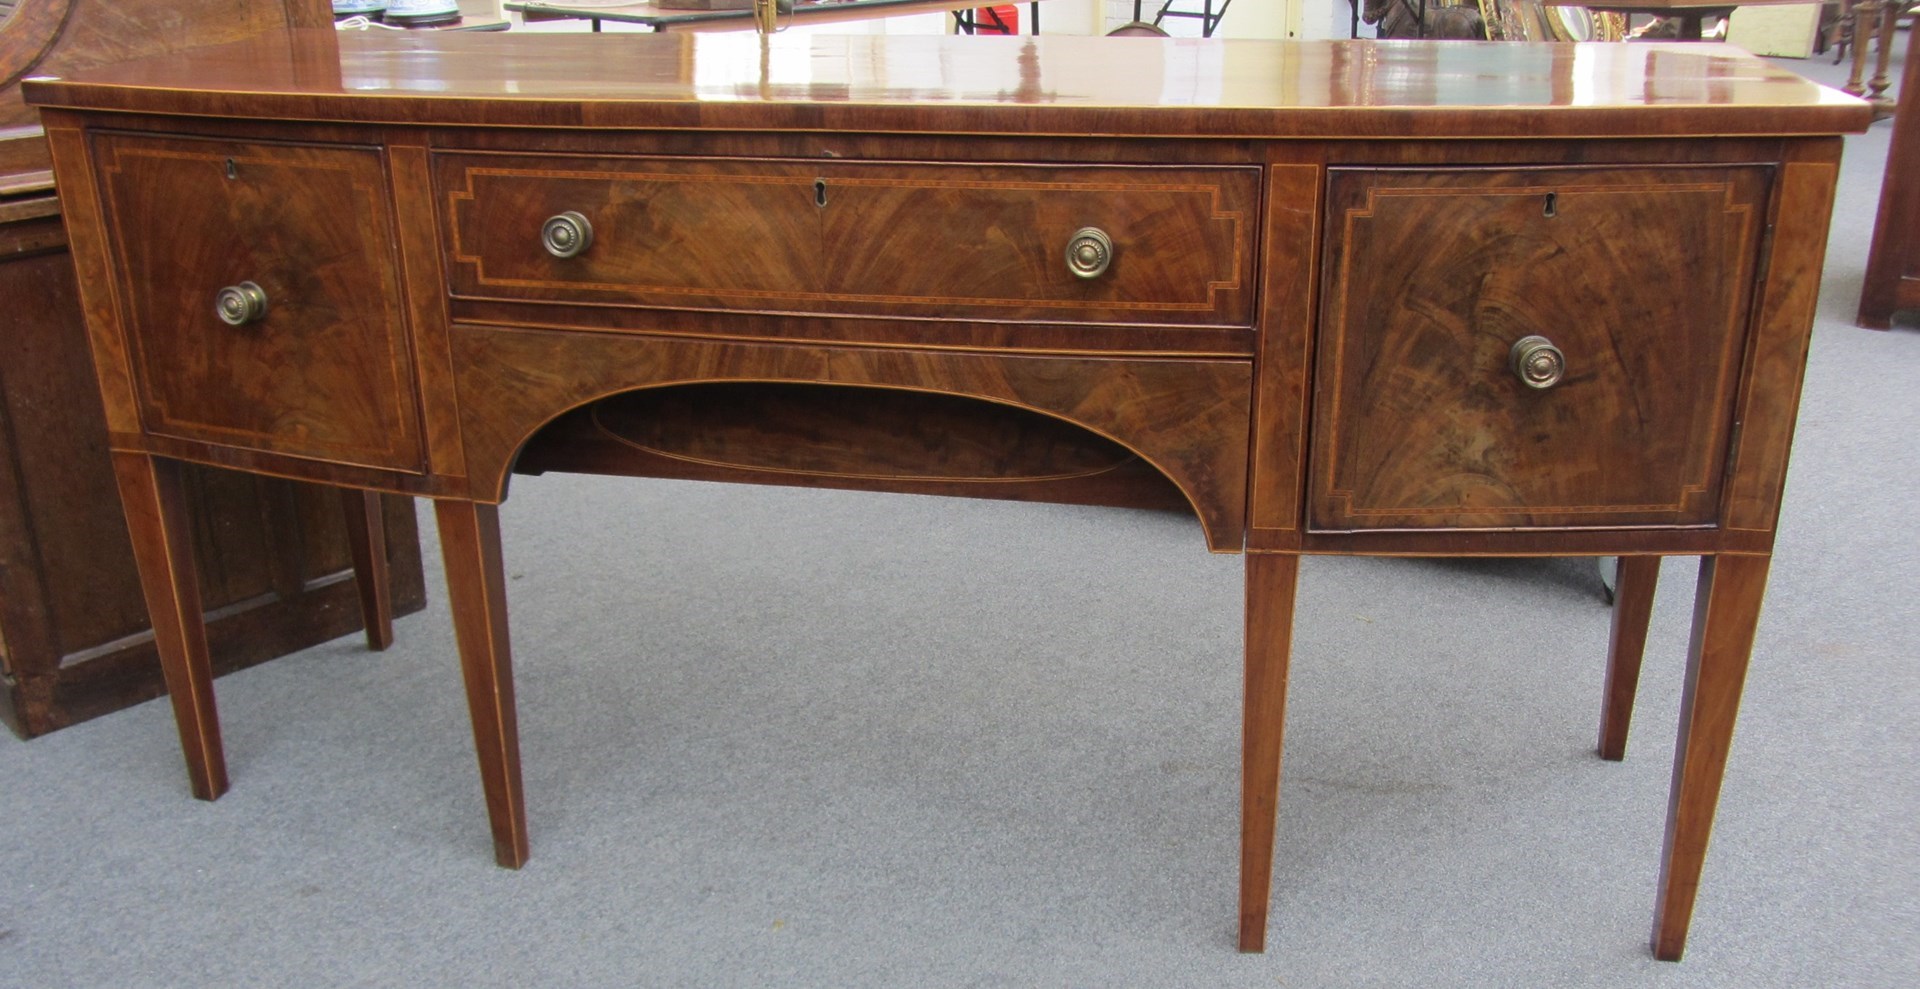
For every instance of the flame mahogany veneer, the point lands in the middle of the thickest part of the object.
(845, 262)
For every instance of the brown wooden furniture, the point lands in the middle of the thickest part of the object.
(737, 17)
(1893, 262)
(73, 623)
(1325, 299)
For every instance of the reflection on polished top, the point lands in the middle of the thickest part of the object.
(1025, 85)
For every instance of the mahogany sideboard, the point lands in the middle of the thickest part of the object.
(73, 622)
(1350, 297)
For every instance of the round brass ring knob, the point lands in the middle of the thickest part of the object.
(566, 235)
(1089, 252)
(240, 304)
(1537, 362)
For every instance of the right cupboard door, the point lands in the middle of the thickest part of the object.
(1531, 348)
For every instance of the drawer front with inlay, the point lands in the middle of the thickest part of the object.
(1036, 243)
(1531, 348)
(262, 303)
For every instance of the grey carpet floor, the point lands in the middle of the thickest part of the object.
(792, 738)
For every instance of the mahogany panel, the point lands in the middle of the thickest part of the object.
(326, 372)
(1432, 277)
(1188, 418)
(851, 438)
(873, 238)
(74, 640)
(1783, 330)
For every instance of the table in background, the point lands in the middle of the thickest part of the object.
(660, 18)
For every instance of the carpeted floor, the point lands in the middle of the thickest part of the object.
(792, 738)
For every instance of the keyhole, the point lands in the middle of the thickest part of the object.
(1552, 198)
(233, 171)
(820, 193)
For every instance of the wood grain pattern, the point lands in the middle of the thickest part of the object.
(327, 372)
(1632, 611)
(1783, 330)
(1186, 418)
(477, 595)
(1420, 423)
(163, 547)
(983, 241)
(1282, 392)
(1055, 85)
(1726, 611)
(1271, 581)
(735, 330)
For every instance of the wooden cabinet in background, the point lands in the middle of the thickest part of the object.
(275, 564)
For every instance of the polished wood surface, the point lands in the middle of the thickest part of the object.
(1056, 84)
(1422, 423)
(275, 565)
(1313, 361)
(986, 242)
(331, 377)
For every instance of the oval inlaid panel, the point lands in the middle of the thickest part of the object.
(832, 431)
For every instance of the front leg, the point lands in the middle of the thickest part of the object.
(1726, 610)
(1271, 579)
(477, 594)
(155, 507)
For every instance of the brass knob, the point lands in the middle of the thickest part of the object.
(1537, 362)
(566, 235)
(1089, 252)
(240, 304)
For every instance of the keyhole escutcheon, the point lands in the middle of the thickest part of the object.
(820, 193)
(1553, 203)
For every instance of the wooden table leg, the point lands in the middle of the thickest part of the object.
(367, 537)
(1726, 611)
(1271, 580)
(151, 495)
(1632, 610)
(477, 595)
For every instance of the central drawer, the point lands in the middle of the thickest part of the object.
(1168, 246)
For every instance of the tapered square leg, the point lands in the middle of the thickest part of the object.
(1632, 610)
(150, 493)
(1271, 580)
(1726, 612)
(477, 594)
(367, 538)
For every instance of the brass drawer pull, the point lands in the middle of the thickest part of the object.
(566, 235)
(238, 305)
(1537, 362)
(1089, 252)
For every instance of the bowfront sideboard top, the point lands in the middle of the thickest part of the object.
(1344, 297)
